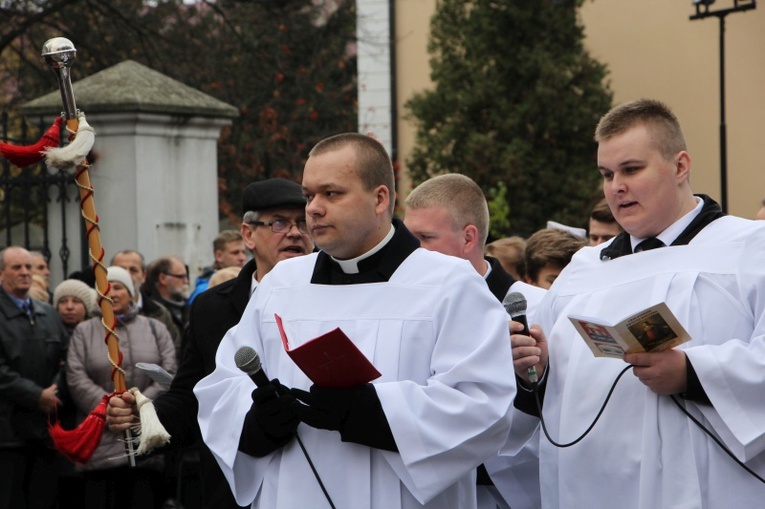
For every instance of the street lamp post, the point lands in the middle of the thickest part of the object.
(702, 12)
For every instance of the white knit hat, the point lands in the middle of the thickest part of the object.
(76, 288)
(120, 275)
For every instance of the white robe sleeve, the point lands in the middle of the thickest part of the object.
(460, 416)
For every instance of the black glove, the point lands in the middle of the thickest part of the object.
(271, 422)
(355, 412)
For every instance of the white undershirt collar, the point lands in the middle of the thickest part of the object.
(674, 230)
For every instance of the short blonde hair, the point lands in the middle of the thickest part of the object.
(459, 195)
(657, 117)
(223, 275)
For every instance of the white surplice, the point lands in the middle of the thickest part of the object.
(644, 453)
(440, 340)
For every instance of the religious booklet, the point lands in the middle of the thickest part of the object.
(330, 360)
(652, 330)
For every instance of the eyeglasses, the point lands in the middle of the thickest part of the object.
(179, 276)
(282, 225)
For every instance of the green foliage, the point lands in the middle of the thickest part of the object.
(516, 101)
(499, 211)
(286, 65)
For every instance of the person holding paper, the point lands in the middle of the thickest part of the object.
(426, 321)
(647, 452)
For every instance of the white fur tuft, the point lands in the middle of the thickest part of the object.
(76, 151)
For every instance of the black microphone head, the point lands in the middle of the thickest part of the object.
(515, 304)
(247, 360)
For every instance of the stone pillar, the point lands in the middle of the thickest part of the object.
(155, 174)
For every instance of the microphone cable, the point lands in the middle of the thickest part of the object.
(587, 431)
(716, 440)
(722, 446)
(315, 472)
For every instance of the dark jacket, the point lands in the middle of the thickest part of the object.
(499, 280)
(212, 314)
(32, 352)
(150, 308)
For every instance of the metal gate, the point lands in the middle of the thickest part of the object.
(32, 197)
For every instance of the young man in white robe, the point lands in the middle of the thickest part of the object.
(427, 322)
(644, 452)
(449, 214)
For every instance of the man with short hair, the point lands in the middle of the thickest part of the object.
(413, 437)
(133, 262)
(680, 249)
(273, 229)
(167, 282)
(449, 214)
(229, 251)
(602, 224)
(33, 346)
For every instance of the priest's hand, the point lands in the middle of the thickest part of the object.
(271, 421)
(121, 412)
(328, 408)
(662, 372)
(528, 351)
(355, 412)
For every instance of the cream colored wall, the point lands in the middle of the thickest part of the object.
(412, 72)
(652, 50)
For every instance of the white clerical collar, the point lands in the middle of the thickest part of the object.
(352, 266)
(139, 302)
(253, 283)
(674, 230)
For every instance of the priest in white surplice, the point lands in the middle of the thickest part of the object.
(428, 323)
(644, 452)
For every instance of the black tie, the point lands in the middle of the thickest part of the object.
(648, 244)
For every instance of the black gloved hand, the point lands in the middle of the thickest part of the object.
(355, 412)
(328, 408)
(271, 422)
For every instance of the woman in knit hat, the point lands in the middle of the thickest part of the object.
(109, 480)
(74, 301)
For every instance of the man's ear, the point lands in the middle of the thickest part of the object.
(247, 233)
(382, 199)
(470, 237)
(683, 166)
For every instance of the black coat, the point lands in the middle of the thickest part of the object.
(212, 314)
(32, 351)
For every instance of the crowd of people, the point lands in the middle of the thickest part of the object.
(471, 409)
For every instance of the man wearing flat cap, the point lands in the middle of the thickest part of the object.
(273, 229)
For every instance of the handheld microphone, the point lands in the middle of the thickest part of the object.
(247, 360)
(515, 305)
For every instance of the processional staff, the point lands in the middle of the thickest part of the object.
(80, 443)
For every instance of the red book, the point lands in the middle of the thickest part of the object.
(330, 360)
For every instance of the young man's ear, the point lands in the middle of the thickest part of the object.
(683, 166)
(470, 237)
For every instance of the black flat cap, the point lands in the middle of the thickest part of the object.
(272, 193)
